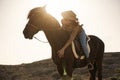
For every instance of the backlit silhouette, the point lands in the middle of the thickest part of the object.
(39, 20)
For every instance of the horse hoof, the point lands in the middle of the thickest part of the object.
(66, 78)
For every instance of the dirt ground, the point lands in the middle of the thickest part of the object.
(46, 70)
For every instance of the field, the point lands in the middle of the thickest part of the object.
(46, 70)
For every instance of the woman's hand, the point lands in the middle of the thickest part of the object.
(61, 53)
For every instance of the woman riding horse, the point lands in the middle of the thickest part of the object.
(71, 24)
(39, 20)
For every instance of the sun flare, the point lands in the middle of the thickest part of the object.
(55, 7)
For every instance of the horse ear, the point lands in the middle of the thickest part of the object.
(44, 7)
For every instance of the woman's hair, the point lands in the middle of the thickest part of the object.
(69, 15)
(74, 22)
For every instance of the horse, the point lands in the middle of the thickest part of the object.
(40, 20)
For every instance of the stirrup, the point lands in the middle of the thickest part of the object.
(90, 66)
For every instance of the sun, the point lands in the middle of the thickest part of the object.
(56, 7)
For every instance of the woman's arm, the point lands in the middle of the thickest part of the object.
(72, 37)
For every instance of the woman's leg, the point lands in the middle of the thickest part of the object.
(83, 41)
(82, 37)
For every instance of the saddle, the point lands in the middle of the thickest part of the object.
(78, 50)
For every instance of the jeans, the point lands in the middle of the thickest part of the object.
(83, 41)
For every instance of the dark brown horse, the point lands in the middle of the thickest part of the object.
(39, 20)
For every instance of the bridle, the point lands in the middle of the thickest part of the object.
(33, 26)
(35, 36)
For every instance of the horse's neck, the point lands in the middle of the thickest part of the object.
(49, 36)
(56, 38)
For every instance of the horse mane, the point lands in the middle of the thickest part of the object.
(35, 11)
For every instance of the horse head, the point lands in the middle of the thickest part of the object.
(37, 21)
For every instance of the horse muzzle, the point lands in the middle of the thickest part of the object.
(27, 36)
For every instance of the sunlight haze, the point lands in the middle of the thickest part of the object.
(100, 18)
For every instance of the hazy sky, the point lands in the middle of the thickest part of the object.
(100, 18)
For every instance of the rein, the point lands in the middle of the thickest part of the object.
(39, 40)
(33, 26)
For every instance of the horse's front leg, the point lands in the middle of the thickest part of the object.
(69, 71)
(58, 62)
(66, 78)
(60, 70)
(65, 72)
(68, 68)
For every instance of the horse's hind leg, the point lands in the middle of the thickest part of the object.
(93, 73)
(99, 71)
(99, 66)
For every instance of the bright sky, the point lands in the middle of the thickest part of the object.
(100, 17)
